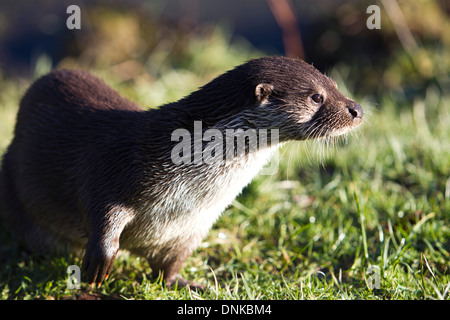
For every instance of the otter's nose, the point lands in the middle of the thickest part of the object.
(355, 110)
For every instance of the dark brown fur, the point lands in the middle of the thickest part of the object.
(91, 170)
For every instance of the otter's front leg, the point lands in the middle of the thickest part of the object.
(103, 243)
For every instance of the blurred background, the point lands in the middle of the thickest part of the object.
(138, 41)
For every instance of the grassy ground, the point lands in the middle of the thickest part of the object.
(364, 219)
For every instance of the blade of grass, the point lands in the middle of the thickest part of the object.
(362, 218)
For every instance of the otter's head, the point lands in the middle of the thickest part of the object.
(276, 92)
(284, 93)
(307, 103)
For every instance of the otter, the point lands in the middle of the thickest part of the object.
(92, 171)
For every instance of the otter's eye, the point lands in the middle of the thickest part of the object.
(317, 98)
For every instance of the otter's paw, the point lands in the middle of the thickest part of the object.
(97, 262)
(181, 283)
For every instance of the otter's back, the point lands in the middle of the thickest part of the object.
(69, 89)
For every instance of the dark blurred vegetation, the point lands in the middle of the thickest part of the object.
(142, 39)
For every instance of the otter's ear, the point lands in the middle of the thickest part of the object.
(263, 91)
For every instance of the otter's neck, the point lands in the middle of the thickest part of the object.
(192, 133)
(200, 161)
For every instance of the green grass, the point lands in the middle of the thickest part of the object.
(328, 224)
